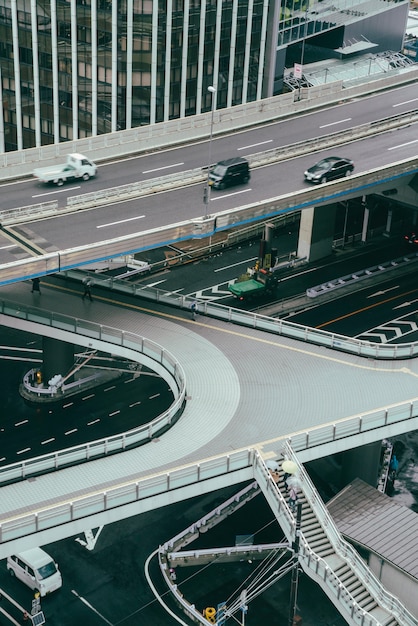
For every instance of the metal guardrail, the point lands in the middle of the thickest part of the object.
(201, 228)
(128, 342)
(276, 326)
(191, 177)
(356, 277)
(385, 599)
(195, 128)
(198, 175)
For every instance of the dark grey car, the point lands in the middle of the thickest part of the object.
(329, 169)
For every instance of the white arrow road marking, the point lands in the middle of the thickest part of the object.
(400, 306)
(380, 293)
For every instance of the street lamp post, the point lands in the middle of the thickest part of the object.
(302, 56)
(206, 191)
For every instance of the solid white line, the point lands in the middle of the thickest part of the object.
(130, 219)
(254, 145)
(227, 267)
(159, 169)
(399, 104)
(91, 607)
(51, 193)
(347, 119)
(6, 247)
(402, 145)
(229, 195)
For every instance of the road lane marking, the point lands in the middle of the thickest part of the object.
(22, 451)
(51, 193)
(129, 219)
(90, 606)
(254, 145)
(47, 441)
(229, 195)
(347, 119)
(159, 169)
(70, 432)
(114, 413)
(93, 422)
(227, 267)
(402, 145)
(21, 423)
(400, 104)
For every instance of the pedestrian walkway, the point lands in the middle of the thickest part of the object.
(244, 388)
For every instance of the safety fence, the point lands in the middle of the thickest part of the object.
(197, 127)
(127, 345)
(202, 228)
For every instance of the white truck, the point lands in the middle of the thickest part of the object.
(77, 166)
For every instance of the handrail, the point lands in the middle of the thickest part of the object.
(387, 600)
(139, 349)
(334, 341)
(201, 228)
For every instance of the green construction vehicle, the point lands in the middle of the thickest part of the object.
(254, 283)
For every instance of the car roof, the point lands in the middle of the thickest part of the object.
(35, 556)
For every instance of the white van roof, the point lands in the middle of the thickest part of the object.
(36, 557)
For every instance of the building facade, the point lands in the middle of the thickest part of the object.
(77, 68)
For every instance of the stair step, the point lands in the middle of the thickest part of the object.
(368, 606)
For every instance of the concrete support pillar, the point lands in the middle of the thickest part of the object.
(58, 358)
(388, 222)
(316, 232)
(363, 462)
(366, 217)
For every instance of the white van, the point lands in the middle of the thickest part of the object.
(36, 569)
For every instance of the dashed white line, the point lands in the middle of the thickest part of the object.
(70, 432)
(399, 104)
(229, 195)
(21, 423)
(347, 119)
(402, 145)
(156, 395)
(114, 413)
(88, 397)
(51, 193)
(109, 388)
(159, 169)
(134, 404)
(23, 451)
(129, 219)
(254, 145)
(93, 422)
(65, 406)
(47, 441)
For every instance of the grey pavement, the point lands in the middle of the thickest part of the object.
(244, 388)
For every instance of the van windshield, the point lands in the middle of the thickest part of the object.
(47, 570)
(220, 170)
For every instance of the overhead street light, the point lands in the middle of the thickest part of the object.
(206, 191)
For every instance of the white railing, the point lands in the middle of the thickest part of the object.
(129, 492)
(315, 565)
(164, 134)
(139, 348)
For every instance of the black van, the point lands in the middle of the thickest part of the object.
(229, 172)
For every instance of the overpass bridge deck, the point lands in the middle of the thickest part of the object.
(245, 388)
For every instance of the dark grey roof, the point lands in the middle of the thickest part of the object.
(368, 517)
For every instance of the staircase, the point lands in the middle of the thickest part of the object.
(331, 561)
